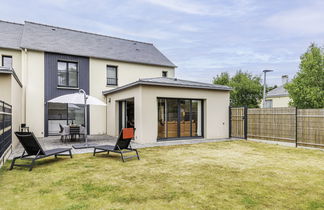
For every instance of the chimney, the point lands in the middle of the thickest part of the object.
(284, 79)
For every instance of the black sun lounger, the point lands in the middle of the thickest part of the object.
(33, 150)
(122, 145)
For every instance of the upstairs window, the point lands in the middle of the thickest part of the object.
(67, 73)
(268, 103)
(164, 74)
(112, 75)
(7, 61)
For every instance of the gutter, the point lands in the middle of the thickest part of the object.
(140, 82)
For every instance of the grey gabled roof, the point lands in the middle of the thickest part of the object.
(47, 38)
(61, 40)
(170, 82)
(278, 92)
(10, 34)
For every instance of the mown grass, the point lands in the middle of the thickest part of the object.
(227, 175)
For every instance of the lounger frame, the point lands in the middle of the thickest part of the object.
(122, 147)
(33, 151)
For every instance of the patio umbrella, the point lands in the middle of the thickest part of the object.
(79, 98)
(72, 106)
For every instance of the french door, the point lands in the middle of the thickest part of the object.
(126, 114)
(180, 118)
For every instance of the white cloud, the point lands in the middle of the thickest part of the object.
(229, 8)
(147, 33)
(308, 20)
(188, 28)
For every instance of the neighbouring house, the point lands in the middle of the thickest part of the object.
(134, 78)
(279, 96)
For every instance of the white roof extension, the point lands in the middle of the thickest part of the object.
(47, 38)
(170, 82)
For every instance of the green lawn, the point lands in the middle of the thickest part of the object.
(227, 175)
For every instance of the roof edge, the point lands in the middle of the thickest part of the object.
(141, 82)
(5, 21)
(277, 96)
(105, 58)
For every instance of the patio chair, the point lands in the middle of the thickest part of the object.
(33, 150)
(74, 131)
(122, 145)
(63, 135)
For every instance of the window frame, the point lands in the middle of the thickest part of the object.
(116, 79)
(166, 73)
(67, 62)
(268, 103)
(6, 56)
(179, 137)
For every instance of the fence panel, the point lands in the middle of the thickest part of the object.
(237, 125)
(277, 124)
(310, 127)
(5, 127)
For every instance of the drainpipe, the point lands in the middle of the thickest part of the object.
(106, 114)
(25, 81)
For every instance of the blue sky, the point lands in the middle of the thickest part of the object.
(203, 38)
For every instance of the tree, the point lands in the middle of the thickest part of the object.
(222, 79)
(269, 88)
(307, 88)
(247, 88)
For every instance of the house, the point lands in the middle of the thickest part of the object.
(134, 78)
(279, 96)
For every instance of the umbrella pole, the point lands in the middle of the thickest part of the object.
(85, 118)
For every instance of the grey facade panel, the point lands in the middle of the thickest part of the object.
(51, 79)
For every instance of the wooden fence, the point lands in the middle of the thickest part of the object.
(310, 127)
(237, 122)
(304, 127)
(272, 124)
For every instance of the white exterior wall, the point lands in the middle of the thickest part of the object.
(11, 92)
(5, 88)
(278, 101)
(16, 59)
(34, 91)
(112, 110)
(216, 105)
(127, 73)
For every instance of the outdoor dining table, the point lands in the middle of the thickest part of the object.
(66, 130)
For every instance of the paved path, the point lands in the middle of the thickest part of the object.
(53, 142)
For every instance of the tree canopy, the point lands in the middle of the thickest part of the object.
(247, 88)
(307, 88)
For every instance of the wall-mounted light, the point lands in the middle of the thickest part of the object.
(109, 100)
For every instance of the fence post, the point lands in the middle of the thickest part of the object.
(230, 122)
(245, 121)
(296, 126)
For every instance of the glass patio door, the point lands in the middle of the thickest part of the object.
(126, 114)
(179, 118)
(64, 114)
(185, 118)
(172, 117)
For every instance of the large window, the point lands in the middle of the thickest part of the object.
(64, 114)
(179, 118)
(7, 61)
(67, 73)
(112, 75)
